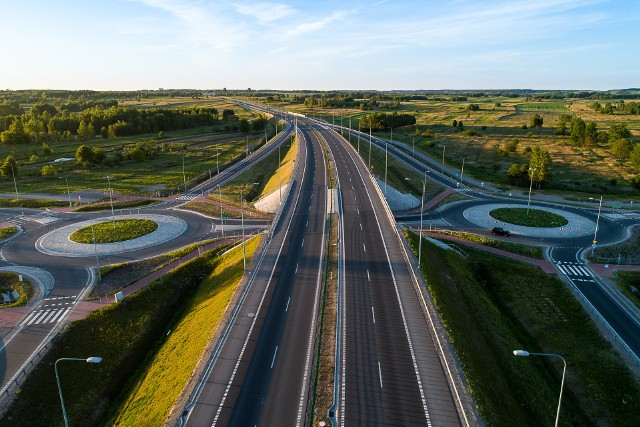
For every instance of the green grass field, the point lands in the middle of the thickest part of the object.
(110, 231)
(11, 282)
(535, 252)
(120, 204)
(629, 284)
(491, 306)
(165, 377)
(528, 217)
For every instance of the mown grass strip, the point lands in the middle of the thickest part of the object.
(528, 217)
(491, 306)
(122, 204)
(33, 203)
(125, 335)
(629, 284)
(282, 174)
(163, 379)
(105, 232)
(8, 231)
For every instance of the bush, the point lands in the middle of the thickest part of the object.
(48, 170)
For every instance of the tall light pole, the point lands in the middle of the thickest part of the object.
(349, 130)
(221, 218)
(92, 359)
(413, 145)
(113, 216)
(68, 193)
(369, 147)
(244, 250)
(443, 167)
(531, 170)
(15, 183)
(524, 353)
(218, 161)
(424, 185)
(595, 234)
(462, 172)
(184, 175)
(280, 173)
(385, 167)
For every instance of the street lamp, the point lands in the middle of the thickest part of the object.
(111, 199)
(531, 170)
(369, 148)
(385, 165)
(92, 359)
(68, 193)
(443, 167)
(524, 353)
(595, 234)
(424, 185)
(15, 183)
(221, 219)
(462, 172)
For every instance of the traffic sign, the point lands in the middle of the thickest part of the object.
(595, 241)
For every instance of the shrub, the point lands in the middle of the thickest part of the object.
(48, 170)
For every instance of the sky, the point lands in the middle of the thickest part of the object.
(320, 45)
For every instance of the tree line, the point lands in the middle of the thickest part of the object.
(382, 121)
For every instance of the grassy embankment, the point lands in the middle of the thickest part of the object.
(8, 231)
(162, 380)
(130, 337)
(33, 203)
(114, 231)
(491, 306)
(267, 173)
(528, 217)
(629, 284)
(11, 282)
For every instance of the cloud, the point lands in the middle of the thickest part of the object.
(265, 12)
(315, 25)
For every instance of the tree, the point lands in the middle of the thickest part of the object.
(621, 147)
(518, 174)
(536, 121)
(48, 170)
(618, 130)
(591, 134)
(635, 157)
(243, 126)
(86, 130)
(541, 162)
(578, 128)
(9, 168)
(15, 134)
(46, 149)
(227, 113)
(84, 154)
(99, 156)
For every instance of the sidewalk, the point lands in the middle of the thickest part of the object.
(545, 265)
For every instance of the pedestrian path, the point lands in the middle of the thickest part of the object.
(575, 271)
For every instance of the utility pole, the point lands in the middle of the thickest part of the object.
(15, 184)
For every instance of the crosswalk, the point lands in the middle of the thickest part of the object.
(53, 310)
(575, 271)
(186, 197)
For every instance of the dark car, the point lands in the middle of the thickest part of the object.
(501, 231)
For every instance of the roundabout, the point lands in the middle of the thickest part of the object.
(59, 243)
(576, 226)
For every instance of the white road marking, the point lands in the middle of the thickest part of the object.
(373, 313)
(360, 227)
(368, 277)
(364, 247)
(53, 319)
(46, 319)
(288, 301)
(274, 357)
(380, 373)
(64, 314)
(297, 267)
(28, 317)
(302, 243)
(37, 318)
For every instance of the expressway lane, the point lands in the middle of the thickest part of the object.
(262, 372)
(392, 370)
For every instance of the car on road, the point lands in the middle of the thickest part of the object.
(500, 231)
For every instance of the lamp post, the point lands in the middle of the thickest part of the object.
(424, 185)
(443, 167)
(244, 251)
(462, 172)
(92, 359)
(369, 147)
(218, 161)
(524, 353)
(530, 187)
(221, 218)
(280, 173)
(68, 193)
(15, 183)
(385, 166)
(113, 217)
(595, 233)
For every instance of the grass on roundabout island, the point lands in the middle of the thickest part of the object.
(535, 217)
(126, 229)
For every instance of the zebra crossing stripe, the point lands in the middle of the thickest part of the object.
(575, 271)
(64, 314)
(46, 319)
(53, 319)
(38, 317)
(28, 317)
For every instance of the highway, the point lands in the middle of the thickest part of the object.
(263, 369)
(392, 373)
